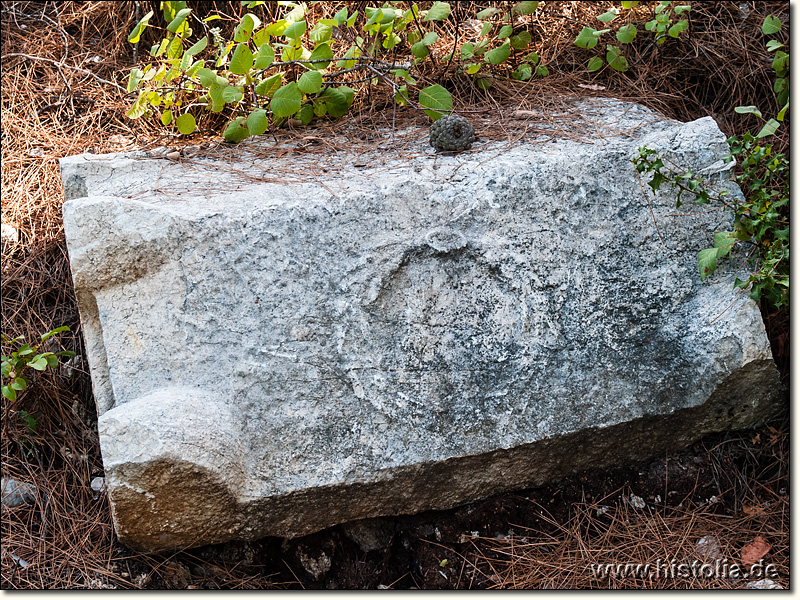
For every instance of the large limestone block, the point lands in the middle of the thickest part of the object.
(278, 345)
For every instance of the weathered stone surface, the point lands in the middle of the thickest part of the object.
(281, 345)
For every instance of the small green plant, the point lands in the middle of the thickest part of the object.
(15, 368)
(662, 26)
(760, 221)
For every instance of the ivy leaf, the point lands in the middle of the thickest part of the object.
(136, 34)
(310, 82)
(286, 100)
(626, 33)
(467, 50)
(242, 60)
(134, 78)
(773, 45)
(321, 52)
(295, 30)
(257, 122)
(770, 128)
(676, 29)
(186, 124)
(336, 100)
(198, 47)
(487, 13)
(179, 19)
(521, 40)
(748, 110)
(505, 31)
(232, 94)
(305, 114)
(245, 28)
(10, 393)
(523, 72)
(588, 37)
(615, 59)
(595, 64)
(321, 33)
(707, 262)
(438, 12)
(608, 16)
(542, 71)
(39, 363)
(270, 85)
(771, 25)
(236, 131)
(499, 55)
(524, 8)
(436, 98)
(265, 56)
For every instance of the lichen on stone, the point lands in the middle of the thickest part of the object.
(452, 133)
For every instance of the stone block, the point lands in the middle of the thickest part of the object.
(279, 345)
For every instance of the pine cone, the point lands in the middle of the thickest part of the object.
(452, 133)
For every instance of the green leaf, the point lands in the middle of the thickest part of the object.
(321, 52)
(270, 85)
(242, 60)
(305, 114)
(770, 128)
(542, 71)
(260, 38)
(186, 124)
(286, 100)
(136, 34)
(236, 131)
(487, 13)
(773, 45)
(498, 55)
(207, 77)
(265, 56)
(748, 110)
(707, 262)
(341, 16)
(175, 24)
(771, 25)
(134, 78)
(723, 242)
(472, 69)
(166, 117)
(595, 64)
(781, 63)
(467, 50)
(246, 27)
(336, 100)
(615, 59)
(19, 383)
(438, 12)
(588, 37)
(679, 10)
(505, 31)
(782, 113)
(257, 122)
(608, 16)
(232, 94)
(626, 33)
(295, 31)
(277, 28)
(10, 393)
(198, 47)
(628, 5)
(676, 29)
(138, 108)
(320, 33)
(310, 82)
(523, 72)
(217, 101)
(436, 98)
(524, 8)
(420, 50)
(39, 363)
(521, 40)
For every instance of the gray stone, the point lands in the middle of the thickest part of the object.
(281, 345)
(370, 534)
(16, 493)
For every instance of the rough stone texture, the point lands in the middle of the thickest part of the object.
(281, 345)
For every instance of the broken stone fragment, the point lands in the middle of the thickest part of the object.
(273, 357)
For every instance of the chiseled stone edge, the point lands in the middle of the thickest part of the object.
(172, 497)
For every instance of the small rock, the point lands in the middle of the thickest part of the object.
(17, 493)
(316, 567)
(9, 233)
(99, 484)
(763, 584)
(190, 151)
(370, 534)
(708, 547)
(637, 501)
